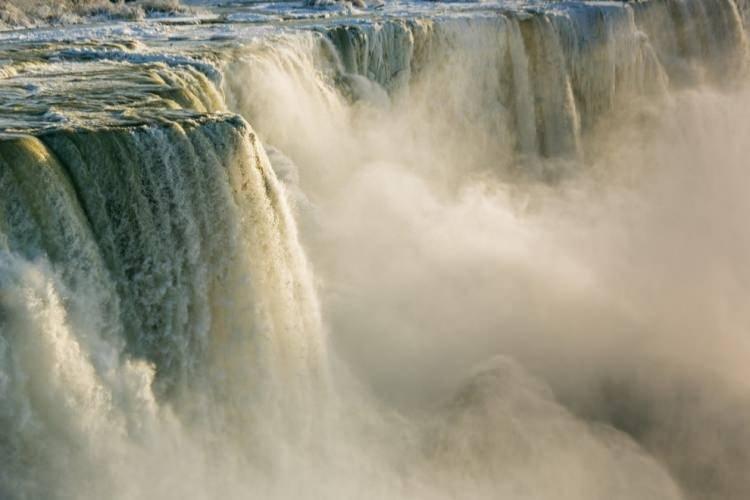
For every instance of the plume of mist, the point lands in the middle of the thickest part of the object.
(504, 325)
(615, 296)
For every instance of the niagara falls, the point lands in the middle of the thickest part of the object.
(374, 249)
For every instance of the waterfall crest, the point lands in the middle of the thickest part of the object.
(533, 82)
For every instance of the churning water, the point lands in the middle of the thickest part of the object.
(415, 250)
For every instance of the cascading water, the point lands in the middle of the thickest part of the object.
(500, 201)
(538, 82)
(141, 265)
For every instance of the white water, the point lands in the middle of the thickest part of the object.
(530, 254)
(439, 247)
(15, 13)
(144, 312)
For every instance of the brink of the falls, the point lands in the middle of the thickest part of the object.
(400, 249)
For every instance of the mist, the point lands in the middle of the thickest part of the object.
(476, 254)
(549, 325)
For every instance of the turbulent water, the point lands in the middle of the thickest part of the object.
(15, 13)
(410, 250)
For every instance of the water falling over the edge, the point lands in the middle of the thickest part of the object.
(153, 295)
(172, 308)
(412, 143)
(526, 89)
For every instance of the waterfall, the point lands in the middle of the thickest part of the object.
(163, 335)
(162, 253)
(532, 83)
